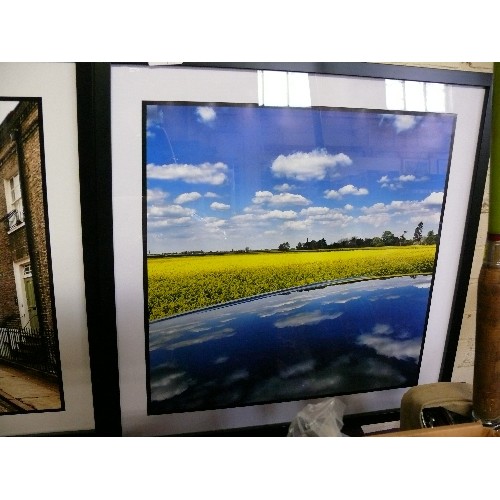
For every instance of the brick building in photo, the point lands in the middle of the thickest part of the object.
(26, 298)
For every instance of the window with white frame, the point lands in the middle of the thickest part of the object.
(27, 270)
(15, 210)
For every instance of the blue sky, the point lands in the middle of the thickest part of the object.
(222, 177)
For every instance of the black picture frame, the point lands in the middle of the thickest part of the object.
(94, 104)
(94, 135)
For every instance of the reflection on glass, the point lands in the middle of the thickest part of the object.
(415, 96)
(435, 97)
(299, 94)
(395, 94)
(280, 88)
(299, 343)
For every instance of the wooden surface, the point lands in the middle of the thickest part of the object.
(474, 429)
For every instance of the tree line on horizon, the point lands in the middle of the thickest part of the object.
(388, 238)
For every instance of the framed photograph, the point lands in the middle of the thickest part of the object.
(45, 385)
(284, 233)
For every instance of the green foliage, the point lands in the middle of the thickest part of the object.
(417, 235)
(181, 284)
(431, 238)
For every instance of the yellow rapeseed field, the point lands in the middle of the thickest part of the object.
(182, 283)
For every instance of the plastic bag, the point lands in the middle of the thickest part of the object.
(324, 419)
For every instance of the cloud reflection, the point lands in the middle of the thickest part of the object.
(167, 385)
(272, 355)
(385, 344)
(307, 318)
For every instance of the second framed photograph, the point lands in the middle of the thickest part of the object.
(287, 233)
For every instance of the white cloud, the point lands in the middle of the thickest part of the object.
(187, 197)
(434, 199)
(393, 186)
(171, 211)
(205, 173)
(263, 215)
(219, 206)
(376, 208)
(375, 220)
(347, 190)
(155, 224)
(401, 122)
(214, 222)
(332, 194)
(350, 189)
(396, 206)
(209, 194)
(318, 215)
(206, 114)
(279, 214)
(309, 166)
(314, 211)
(398, 182)
(427, 210)
(156, 195)
(269, 198)
(404, 122)
(284, 187)
(298, 225)
(165, 216)
(326, 215)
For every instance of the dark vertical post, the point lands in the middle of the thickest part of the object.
(94, 146)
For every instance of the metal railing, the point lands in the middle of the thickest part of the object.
(30, 348)
(13, 219)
